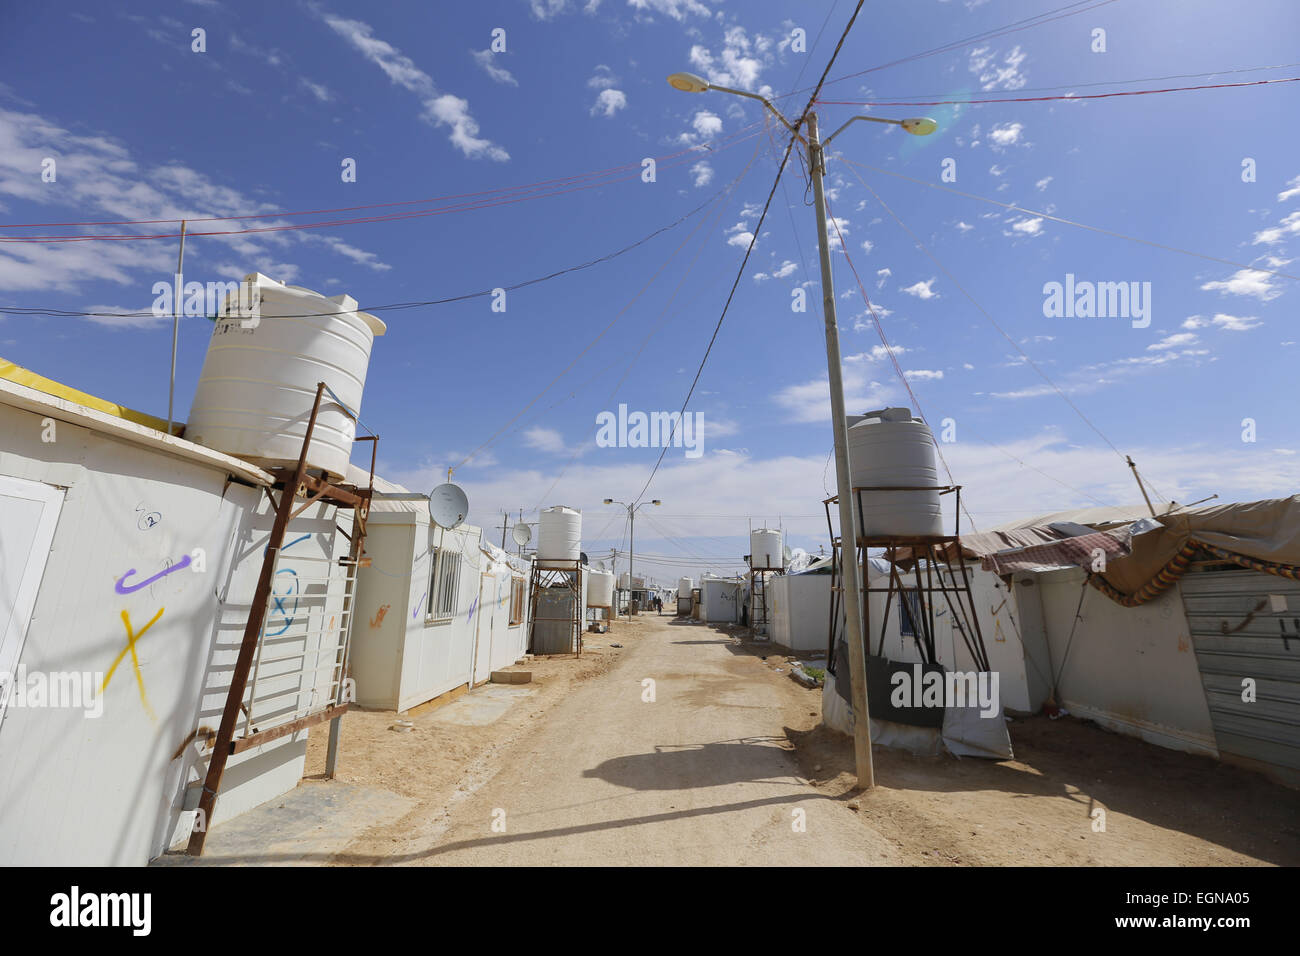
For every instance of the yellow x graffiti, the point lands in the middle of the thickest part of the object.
(131, 638)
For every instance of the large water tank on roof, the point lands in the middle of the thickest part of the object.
(684, 586)
(890, 448)
(260, 373)
(559, 534)
(765, 549)
(600, 592)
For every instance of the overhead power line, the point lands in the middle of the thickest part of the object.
(1065, 96)
(1069, 222)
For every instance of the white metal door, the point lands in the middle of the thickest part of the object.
(29, 512)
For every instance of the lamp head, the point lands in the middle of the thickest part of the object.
(919, 126)
(656, 502)
(609, 501)
(688, 82)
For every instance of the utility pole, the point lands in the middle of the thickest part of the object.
(505, 521)
(631, 518)
(848, 528)
(854, 632)
(176, 326)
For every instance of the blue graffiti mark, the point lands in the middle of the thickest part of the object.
(147, 519)
(418, 604)
(123, 588)
(472, 608)
(287, 546)
(286, 615)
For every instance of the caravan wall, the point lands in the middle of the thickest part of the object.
(106, 790)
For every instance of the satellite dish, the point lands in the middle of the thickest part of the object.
(448, 506)
(522, 534)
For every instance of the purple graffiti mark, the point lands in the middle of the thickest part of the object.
(286, 615)
(123, 588)
(418, 604)
(472, 608)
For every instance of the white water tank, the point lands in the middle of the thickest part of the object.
(765, 549)
(684, 586)
(259, 377)
(891, 448)
(600, 592)
(559, 534)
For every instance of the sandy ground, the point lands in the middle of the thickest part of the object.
(728, 765)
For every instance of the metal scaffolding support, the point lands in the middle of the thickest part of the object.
(938, 574)
(557, 574)
(759, 608)
(257, 652)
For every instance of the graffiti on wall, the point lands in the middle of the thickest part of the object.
(131, 638)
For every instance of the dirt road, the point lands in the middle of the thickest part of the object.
(695, 768)
(586, 766)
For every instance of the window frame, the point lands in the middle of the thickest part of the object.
(441, 590)
(519, 589)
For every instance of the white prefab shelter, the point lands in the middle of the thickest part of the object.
(436, 609)
(130, 559)
(720, 601)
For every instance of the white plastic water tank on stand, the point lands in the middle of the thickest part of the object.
(559, 534)
(600, 593)
(259, 377)
(891, 448)
(684, 586)
(765, 549)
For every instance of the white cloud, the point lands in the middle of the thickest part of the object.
(488, 61)
(1178, 340)
(738, 64)
(922, 290)
(701, 175)
(1028, 227)
(741, 239)
(707, 124)
(1289, 226)
(441, 110)
(998, 76)
(1292, 190)
(676, 9)
(964, 226)
(608, 103)
(1042, 183)
(1008, 134)
(1235, 323)
(923, 374)
(811, 401)
(1245, 282)
(318, 90)
(545, 439)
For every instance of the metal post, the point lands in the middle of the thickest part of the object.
(848, 535)
(631, 546)
(177, 291)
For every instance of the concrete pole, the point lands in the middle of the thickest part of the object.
(631, 547)
(848, 530)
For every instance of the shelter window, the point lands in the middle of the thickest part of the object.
(911, 602)
(444, 585)
(516, 601)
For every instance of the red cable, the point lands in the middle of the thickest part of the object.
(410, 202)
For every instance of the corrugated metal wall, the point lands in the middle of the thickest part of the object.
(1247, 624)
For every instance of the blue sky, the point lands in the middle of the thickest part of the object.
(142, 127)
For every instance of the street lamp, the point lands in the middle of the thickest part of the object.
(631, 540)
(917, 126)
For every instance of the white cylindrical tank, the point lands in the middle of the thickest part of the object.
(559, 534)
(684, 586)
(891, 448)
(625, 580)
(259, 377)
(765, 549)
(600, 592)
